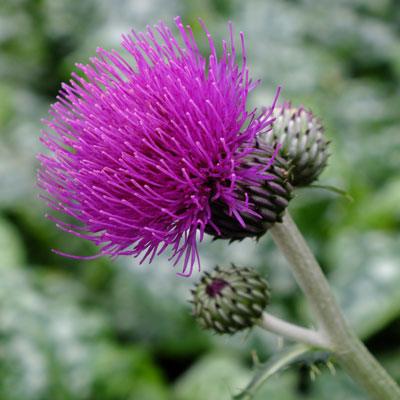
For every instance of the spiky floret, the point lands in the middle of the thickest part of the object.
(142, 147)
(303, 142)
(228, 300)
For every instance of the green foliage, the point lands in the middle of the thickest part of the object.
(55, 348)
(220, 376)
(216, 376)
(78, 330)
(368, 287)
(11, 247)
(265, 371)
(159, 316)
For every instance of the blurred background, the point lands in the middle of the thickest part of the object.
(101, 330)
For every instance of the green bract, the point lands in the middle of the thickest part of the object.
(269, 199)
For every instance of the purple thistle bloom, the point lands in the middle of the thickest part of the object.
(141, 148)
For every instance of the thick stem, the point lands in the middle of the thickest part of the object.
(349, 350)
(294, 332)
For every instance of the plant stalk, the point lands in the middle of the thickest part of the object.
(350, 352)
(293, 332)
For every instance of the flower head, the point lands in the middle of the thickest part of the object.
(141, 147)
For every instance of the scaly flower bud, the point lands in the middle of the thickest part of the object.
(302, 140)
(228, 300)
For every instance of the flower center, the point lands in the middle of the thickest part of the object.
(215, 287)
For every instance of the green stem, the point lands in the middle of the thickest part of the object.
(293, 332)
(349, 350)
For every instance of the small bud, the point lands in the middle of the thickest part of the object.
(269, 200)
(303, 142)
(230, 299)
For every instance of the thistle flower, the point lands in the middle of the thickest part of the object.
(303, 142)
(228, 300)
(143, 147)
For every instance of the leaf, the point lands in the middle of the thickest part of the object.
(338, 387)
(379, 210)
(274, 365)
(53, 347)
(11, 247)
(366, 278)
(220, 375)
(152, 304)
(332, 189)
(214, 377)
(43, 338)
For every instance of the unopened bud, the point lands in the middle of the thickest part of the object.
(228, 300)
(303, 142)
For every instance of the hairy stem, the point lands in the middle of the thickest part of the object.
(349, 350)
(293, 332)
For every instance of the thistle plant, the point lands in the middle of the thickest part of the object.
(151, 151)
